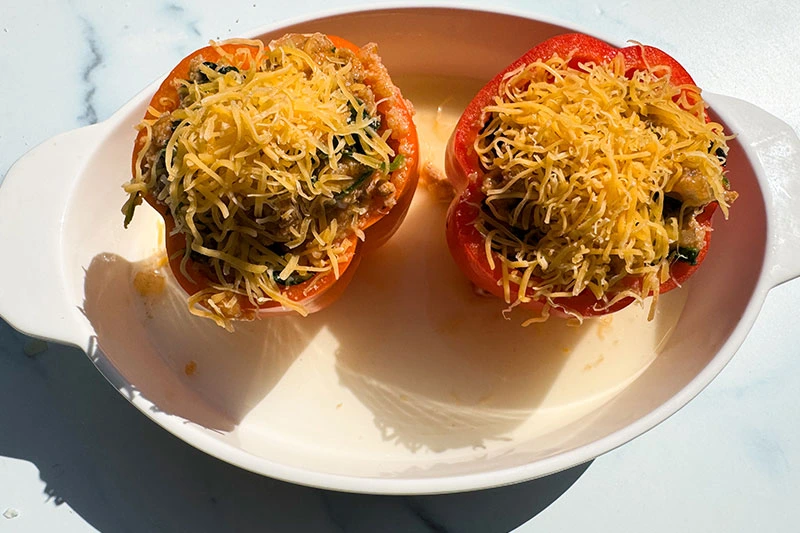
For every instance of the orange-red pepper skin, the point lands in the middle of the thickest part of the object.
(464, 171)
(323, 289)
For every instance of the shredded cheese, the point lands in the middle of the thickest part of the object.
(268, 165)
(591, 177)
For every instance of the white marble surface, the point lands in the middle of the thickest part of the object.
(75, 456)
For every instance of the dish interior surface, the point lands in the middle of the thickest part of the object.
(410, 375)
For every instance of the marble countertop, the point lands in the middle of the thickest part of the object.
(76, 457)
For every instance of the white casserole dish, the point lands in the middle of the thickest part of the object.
(398, 395)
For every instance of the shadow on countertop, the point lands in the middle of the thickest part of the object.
(120, 472)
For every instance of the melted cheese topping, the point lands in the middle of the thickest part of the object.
(591, 177)
(268, 168)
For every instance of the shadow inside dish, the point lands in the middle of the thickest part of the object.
(186, 366)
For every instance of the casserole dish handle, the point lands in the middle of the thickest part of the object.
(33, 197)
(772, 145)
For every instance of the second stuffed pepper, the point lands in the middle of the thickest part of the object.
(587, 176)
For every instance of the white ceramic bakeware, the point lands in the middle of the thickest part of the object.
(409, 384)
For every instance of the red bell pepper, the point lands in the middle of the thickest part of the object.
(378, 224)
(465, 173)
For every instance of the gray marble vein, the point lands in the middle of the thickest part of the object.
(89, 114)
(425, 516)
(179, 12)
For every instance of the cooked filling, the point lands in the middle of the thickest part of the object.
(593, 177)
(270, 163)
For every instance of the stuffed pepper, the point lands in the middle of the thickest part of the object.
(586, 179)
(274, 167)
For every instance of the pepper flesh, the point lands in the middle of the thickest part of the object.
(467, 244)
(378, 225)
